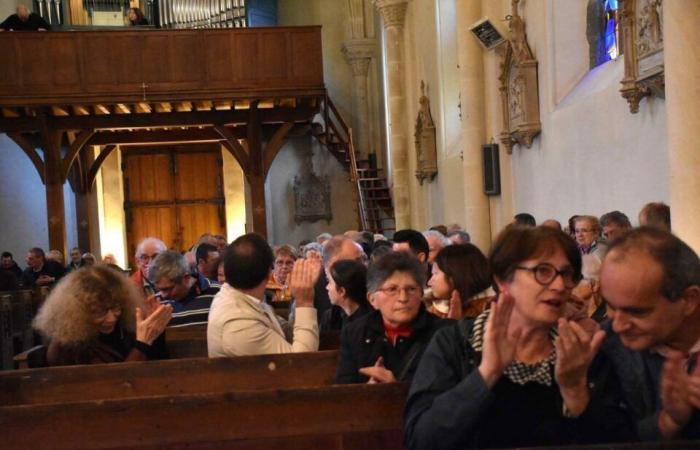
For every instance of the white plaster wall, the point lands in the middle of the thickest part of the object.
(279, 194)
(7, 7)
(23, 204)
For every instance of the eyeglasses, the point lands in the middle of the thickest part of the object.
(147, 258)
(546, 273)
(582, 230)
(394, 291)
(102, 313)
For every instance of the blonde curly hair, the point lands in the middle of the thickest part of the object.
(68, 314)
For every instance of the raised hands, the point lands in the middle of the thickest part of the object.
(500, 341)
(575, 348)
(303, 279)
(149, 327)
(378, 373)
(679, 394)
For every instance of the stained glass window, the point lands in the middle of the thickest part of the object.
(602, 31)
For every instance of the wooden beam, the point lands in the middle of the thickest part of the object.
(31, 152)
(121, 108)
(123, 137)
(95, 167)
(54, 187)
(266, 103)
(164, 107)
(73, 151)
(184, 107)
(102, 110)
(222, 106)
(79, 110)
(10, 112)
(142, 108)
(204, 105)
(256, 175)
(242, 104)
(232, 145)
(59, 111)
(275, 144)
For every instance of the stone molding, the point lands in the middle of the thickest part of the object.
(393, 12)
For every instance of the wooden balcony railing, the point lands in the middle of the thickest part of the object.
(49, 68)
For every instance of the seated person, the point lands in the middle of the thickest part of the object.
(277, 288)
(136, 17)
(460, 282)
(241, 323)
(190, 295)
(94, 315)
(76, 260)
(7, 263)
(347, 289)
(207, 257)
(385, 345)
(23, 20)
(509, 377)
(40, 271)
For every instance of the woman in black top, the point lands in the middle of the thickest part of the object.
(518, 374)
(136, 17)
(347, 290)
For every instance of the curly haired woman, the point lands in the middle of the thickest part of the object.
(94, 315)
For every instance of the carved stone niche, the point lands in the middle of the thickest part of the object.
(312, 195)
(426, 148)
(518, 86)
(643, 40)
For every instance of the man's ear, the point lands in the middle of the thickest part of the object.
(422, 257)
(691, 299)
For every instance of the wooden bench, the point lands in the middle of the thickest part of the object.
(362, 417)
(17, 310)
(168, 377)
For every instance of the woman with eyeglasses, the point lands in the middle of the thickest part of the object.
(96, 315)
(386, 344)
(518, 374)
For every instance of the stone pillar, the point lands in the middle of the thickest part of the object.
(473, 135)
(359, 53)
(682, 60)
(394, 14)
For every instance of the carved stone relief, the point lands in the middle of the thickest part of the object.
(642, 30)
(519, 90)
(426, 148)
(312, 195)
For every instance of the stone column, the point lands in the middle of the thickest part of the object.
(359, 53)
(394, 14)
(682, 60)
(471, 71)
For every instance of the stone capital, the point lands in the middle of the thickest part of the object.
(393, 12)
(359, 53)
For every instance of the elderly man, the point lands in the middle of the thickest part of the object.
(76, 259)
(40, 271)
(615, 224)
(146, 252)
(656, 215)
(436, 242)
(587, 235)
(651, 281)
(23, 20)
(189, 294)
(241, 323)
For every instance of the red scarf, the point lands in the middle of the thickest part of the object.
(394, 333)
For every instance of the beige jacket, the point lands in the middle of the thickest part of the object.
(239, 325)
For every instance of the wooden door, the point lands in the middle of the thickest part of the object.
(175, 194)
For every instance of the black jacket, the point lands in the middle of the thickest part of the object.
(50, 268)
(33, 23)
(449, 405)
(364, 340)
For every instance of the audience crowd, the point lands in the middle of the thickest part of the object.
(578, 335)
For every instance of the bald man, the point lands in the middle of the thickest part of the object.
(23, 20)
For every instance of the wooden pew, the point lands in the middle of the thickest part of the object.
(362, 417)
(17, 310)
(168, 377)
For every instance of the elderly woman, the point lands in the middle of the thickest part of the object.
(385, 345)
(94, 316)
(460, 282)
(518, 374)
(587, 234)
(277, 288)
(347, 289)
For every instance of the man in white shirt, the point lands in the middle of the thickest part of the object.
(240, 323)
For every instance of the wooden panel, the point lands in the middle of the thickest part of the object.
(199, 175)
(111, 66)
(149, 178)
(153, 221)
(196, 219)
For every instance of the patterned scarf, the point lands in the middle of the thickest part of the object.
(518, 372)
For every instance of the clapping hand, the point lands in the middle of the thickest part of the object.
(148, 328)
(500, 341)
(678, 394)
(378, 373)
(303, 278)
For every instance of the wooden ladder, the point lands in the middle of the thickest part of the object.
(375, 210)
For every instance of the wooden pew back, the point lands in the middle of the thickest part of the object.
(168, 377)
(362, 417)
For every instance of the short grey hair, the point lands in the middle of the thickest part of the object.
(324, 237)
(169, 264)
(312, 246)
(160, 244)
(437, 235)
(383, 268)
(463, 236)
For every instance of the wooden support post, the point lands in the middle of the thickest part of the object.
(54, 190)
(256, 175)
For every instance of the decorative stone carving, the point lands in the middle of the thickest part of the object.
(426, 148)
(359, 53)
(393, 12)
(312, 195)
(519, 90)
(642, 31)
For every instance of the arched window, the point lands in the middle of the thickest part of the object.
(602, 31)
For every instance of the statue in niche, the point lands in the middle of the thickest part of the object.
(426, 148)
(518, 87)
(312, 195)
(650, 35)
